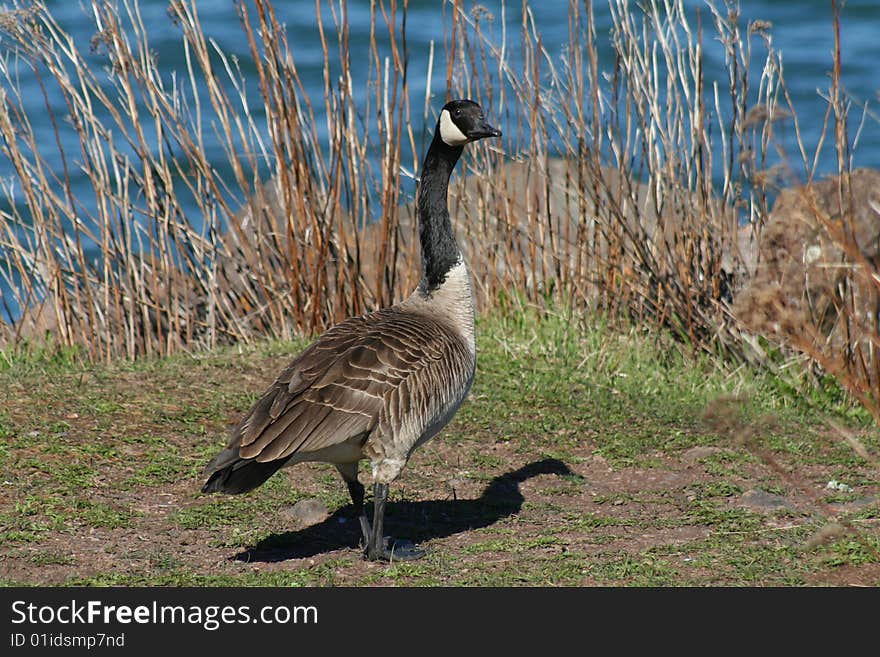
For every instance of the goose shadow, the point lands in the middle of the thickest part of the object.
(414, 521)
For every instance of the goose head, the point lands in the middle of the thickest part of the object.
(462, 121)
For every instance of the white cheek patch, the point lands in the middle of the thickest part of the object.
(449, 132)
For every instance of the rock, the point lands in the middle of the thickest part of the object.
(699, 452)
(762, 501)
(842, 508)
(589, 213)
(307, 512)
(803, 276)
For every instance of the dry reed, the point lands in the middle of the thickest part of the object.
(639, 189)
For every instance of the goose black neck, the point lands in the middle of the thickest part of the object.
(439, 251)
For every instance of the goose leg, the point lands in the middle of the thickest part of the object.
(356, 490)
(376, 545)
(349, 472)
(381, 547)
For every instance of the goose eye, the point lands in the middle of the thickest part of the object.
(457, 113)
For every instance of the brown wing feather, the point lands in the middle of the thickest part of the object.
(341, 386)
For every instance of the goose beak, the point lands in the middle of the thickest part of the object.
(483, 130)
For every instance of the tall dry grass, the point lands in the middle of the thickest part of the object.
(637, 187)
(165, 280)
(622, 199)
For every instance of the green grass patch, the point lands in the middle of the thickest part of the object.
(109, 459)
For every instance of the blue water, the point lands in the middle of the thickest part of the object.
(801, 30)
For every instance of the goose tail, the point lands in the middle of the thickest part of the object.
(233, 475)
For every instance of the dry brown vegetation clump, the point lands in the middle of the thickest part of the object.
(804, 260)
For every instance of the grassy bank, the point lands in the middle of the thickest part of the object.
(585, 455)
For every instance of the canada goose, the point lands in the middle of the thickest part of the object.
(379, 385)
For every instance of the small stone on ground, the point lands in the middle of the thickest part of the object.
(307, 512)
(760, 500)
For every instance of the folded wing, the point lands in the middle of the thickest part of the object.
(360, 374)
